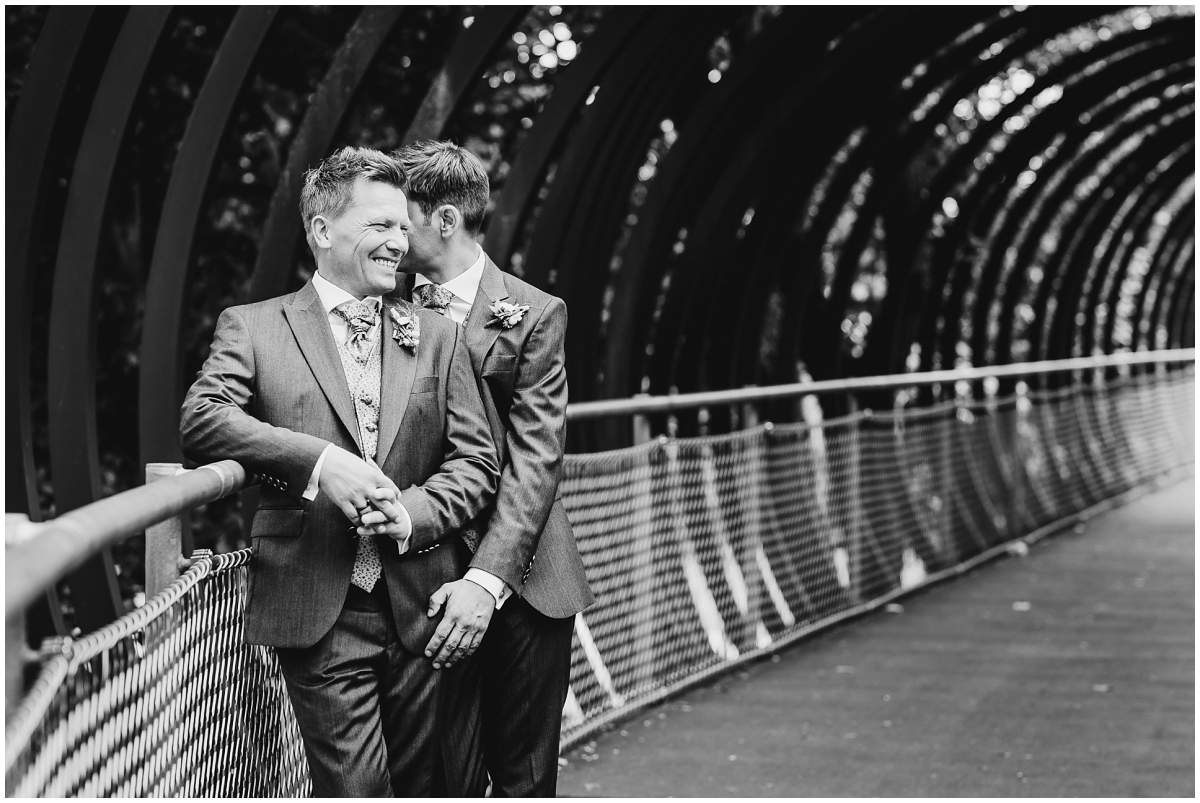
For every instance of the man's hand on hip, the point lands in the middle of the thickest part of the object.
(350, 482)
(468, 611)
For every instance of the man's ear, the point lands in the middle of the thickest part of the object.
(318, 231)
(449, 220)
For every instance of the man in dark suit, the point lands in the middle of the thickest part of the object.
(346, 407)
(526, 564)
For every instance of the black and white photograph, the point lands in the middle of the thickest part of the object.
(600, 401)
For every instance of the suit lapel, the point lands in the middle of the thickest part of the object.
(310, 325)
(479, 335)
(399, 370)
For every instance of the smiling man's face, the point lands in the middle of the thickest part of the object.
(367, 240)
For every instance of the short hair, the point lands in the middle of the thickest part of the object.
(440, 172)
(328, 186)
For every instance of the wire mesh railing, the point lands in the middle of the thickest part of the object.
(167, 701)
(707, 551)
(703, 552)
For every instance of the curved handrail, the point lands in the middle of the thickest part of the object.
(55, 548)
(585, 411)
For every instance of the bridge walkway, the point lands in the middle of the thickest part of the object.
(1066, 672)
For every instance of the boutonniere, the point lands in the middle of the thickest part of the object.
(406, 327)
(507, 315)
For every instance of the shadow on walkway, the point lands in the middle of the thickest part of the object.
(1067, 672)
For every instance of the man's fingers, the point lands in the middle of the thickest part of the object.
(465, 647)
(470, 649)
(436, 600)
(348, 510)
(384, 493)
(389, 509)
(446, 656)
(437, 639)
(387, 529)
(374, 517)
(446, 647)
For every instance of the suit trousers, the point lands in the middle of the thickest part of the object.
(366, 706)
(525, 663)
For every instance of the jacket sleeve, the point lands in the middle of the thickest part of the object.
(534, 440)
(214, 422)
(465, 483)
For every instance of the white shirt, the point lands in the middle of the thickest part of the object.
(464, 286)
(331, 296)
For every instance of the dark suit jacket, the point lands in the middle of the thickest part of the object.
(527, 540)
(272, 394)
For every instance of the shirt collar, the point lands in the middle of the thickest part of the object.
(331, 295)
(466, 284)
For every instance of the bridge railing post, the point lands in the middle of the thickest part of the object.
(947, 475)
(166, 542)
(14, 661)
(17, 528)
(641, 424)
(749, 413)
(857, 535)
(1017, 498)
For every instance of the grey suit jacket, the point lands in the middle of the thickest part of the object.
(272, 394)
(527, 540)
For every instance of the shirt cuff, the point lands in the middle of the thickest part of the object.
(314, 482)
(405, 527)
(490, 583)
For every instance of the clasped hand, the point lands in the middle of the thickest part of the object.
(364, 494)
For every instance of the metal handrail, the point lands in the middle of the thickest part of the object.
(584, 411)
(48, 552)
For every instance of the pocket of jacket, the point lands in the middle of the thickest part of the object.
(498, 364)
(425, 384)
(277, 522)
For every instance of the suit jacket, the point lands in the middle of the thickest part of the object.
(272, 394)
(527, 540)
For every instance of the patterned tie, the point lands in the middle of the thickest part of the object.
(360, 317)
(434, 297)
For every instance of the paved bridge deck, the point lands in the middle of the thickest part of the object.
(1069, 672)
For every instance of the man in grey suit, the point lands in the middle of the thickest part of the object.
(346, 407)
(526, 568)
